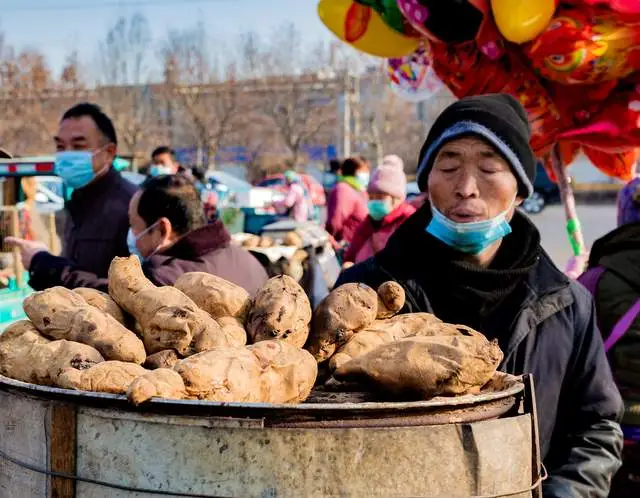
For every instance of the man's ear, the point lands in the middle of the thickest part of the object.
(111, 149)
(519, 200)
(165, 227)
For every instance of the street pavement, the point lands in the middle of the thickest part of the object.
(596, 220)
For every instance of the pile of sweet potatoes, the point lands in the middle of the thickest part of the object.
(366, 343)
(187, 341)
(207, 339)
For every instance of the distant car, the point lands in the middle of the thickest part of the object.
(315, 188)
(413, 190)
(135, 178)
(49, 194)
(544, 192)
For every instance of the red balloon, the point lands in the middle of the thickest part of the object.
(616, 127)
(583, 46)
(466, 72)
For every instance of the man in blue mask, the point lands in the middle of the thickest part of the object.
(96, 215)
(470, 258)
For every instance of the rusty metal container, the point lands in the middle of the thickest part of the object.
(65, 444)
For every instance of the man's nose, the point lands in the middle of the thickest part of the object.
(466, 185)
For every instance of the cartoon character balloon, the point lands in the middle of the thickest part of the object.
(412, 77)
(361, 26)
(584, 46)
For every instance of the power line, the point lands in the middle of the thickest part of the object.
(106, 5)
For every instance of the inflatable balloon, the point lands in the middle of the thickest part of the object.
(521, 21)
(362, 27)
(621, 165)
(391, 15)
(412, 78)
(631, 7)
(584, 46)
(455, 21)
(616, 127)
(466, 72)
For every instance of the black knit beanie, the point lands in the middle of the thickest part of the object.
(500, 120)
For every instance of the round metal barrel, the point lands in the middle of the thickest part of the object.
(64, 444)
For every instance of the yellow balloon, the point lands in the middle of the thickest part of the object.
(521, 21)
(363, 28)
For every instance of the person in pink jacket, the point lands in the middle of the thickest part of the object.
(347, 203)
(297, 202)
(387, 210)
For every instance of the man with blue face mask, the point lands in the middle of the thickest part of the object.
(470, 258)
(96, 215)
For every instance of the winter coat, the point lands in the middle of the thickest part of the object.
(617, 290)
(207, 249)
(372, 236)
(554, 336)
(95, 232)
(346, 210)
(297, 202)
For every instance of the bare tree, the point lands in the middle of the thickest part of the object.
(208, 98)
(124, 84)
(291, 91)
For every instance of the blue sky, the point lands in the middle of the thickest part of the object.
(57, 27)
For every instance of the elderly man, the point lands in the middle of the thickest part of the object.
(97, 214)
(469, 257)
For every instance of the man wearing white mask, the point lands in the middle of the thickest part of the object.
(97, 214)
(471, 258)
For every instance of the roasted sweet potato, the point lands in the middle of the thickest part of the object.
(126, 279)
(215, 295)
(268, 372)
(233, 330)
(424, 367)
(391, 297)
(280, 310)
(348, 308)
(103, 302)
(390, 330)
(162, 359)
(113, 377)
(160, 383)
(60, 313)
(168, 318)
(28, 356)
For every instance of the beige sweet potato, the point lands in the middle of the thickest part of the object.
(391, 298)
(215, 295)
(160, 383)
(267, 372)
(113, 377)
(348, 308)
(162, 359)
(233, 330)
(390, 330)
(280, 310)
(266, 241)
(60, 313)
(125, 280)
(28, 356)
(103, 302)
(424, 367)
(168, 318)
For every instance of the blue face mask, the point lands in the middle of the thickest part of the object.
(159, 170)
(378, 209)
(132, 242)
(75, 167)
(470, 238)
